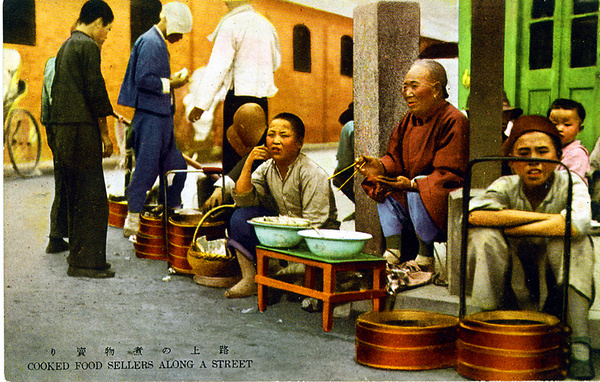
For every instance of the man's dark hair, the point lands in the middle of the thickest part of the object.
(567, 104)
(295, 121)
(94, 9)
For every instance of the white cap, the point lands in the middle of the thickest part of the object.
(179, 17)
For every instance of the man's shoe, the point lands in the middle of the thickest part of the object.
(89, 272)
(132, 224)
(582, 370)
(426, 263)
(57, 245)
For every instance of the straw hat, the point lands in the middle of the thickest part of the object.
(249, 125)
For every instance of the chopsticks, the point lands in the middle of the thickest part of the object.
(351, 176)
(341, 171)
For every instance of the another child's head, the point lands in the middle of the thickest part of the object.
(533, 136)
(568, 116)
(285, 137)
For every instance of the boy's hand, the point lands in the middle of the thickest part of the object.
(551, 225)
(259, 153)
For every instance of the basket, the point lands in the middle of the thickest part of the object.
(181, 228)
(212, 269)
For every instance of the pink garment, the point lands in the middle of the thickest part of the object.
(577, 159)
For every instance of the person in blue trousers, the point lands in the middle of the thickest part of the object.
(148, 87)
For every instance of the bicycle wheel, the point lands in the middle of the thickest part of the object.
(23, 139)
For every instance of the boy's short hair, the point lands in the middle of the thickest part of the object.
(567, 104)
(94, 9)
(528, 123)
(295, 122)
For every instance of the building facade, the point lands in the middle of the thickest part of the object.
(317, 86)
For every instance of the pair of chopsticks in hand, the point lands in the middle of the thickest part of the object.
(351, 176)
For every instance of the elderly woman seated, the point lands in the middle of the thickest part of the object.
(287, 183)
(426, 159)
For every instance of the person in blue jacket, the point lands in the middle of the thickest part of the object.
(148, 87)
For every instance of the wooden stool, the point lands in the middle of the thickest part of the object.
(330, 268)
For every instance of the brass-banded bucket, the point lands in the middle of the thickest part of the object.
(177, 258)
(150, 247)
(406, 340)
(117, 211)
(151, 225)
(511, 345)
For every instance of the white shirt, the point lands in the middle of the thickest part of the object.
(245, 55)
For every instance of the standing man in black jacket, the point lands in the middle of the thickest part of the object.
(80, 105)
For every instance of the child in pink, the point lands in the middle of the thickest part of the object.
(568, 115)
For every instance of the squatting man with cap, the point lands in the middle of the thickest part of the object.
(249, 129)
(148, 87)
(516, 246)
(426, 159)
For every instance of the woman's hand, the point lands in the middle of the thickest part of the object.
(369, 166)
(399, 183)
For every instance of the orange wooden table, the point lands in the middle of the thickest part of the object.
(301, 254)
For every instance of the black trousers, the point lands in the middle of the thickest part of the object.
(230, 106)
(59, 227)
(79, 160)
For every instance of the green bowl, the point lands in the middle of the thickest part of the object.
(277, 235)
(335, 244)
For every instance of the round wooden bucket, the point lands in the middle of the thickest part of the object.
(181, 229)
(117, 211)
(151, 225)
(406, 340)
(511, 345)
(177, 258)
(150, 247)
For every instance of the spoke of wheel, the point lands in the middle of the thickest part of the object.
(23, 142)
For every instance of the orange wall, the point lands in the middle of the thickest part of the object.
(318, 97)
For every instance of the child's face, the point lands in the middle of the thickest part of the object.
(534, 144)
(568, 124)
(282, 142)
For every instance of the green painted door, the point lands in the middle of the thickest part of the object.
(559, 57)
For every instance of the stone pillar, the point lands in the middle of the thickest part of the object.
(487, 81)
(485, 115)
(386, 43)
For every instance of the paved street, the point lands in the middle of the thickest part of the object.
(140, 326)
